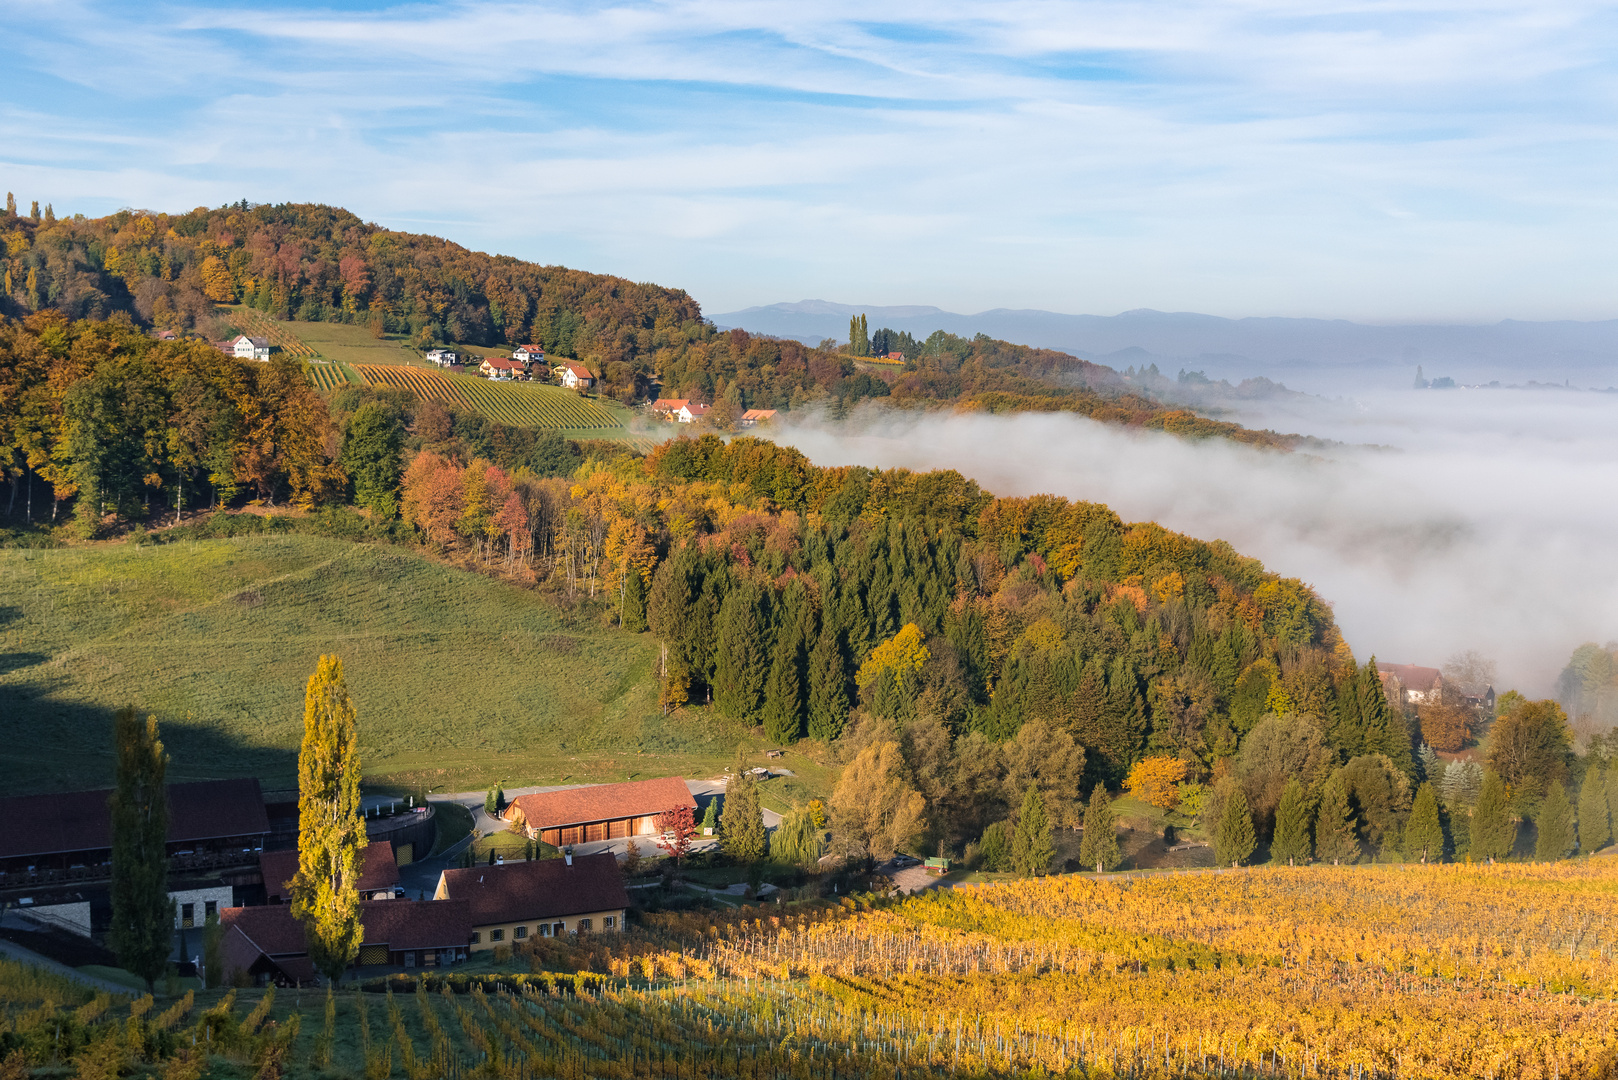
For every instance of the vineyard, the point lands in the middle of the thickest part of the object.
(255, 323)
(327, 377)
(508, 403)
(1506, 973)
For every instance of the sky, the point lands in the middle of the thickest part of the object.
(1378, 161)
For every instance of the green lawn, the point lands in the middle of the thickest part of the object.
(458, 679)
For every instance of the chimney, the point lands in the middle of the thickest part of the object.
(567, 854)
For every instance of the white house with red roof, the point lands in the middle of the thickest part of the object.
(681, 410)
(575, 375)
(498, 367)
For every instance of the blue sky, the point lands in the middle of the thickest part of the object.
(1374, 161)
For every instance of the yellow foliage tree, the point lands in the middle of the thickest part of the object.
(217, 284)
(1153, 780)
(902, 652)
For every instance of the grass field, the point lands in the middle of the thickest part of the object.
(458, 679)
(519, 404)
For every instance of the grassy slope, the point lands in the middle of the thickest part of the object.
(458, 679)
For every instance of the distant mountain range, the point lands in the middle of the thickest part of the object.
(1316, 354)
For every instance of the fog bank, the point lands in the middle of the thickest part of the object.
(1484, 521)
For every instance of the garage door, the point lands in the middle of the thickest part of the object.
(373, 954)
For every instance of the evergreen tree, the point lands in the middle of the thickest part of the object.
(783, 694)
(331, 829)
(828, 688)
(1336, 838)
(634, 605)
(1235, 840)
(1031, 846)
(1494, 830)
(1555, 839)
(710, 818)
(742, 663)
(142, 912)
(1595, 822)
(1100, 845)
(1291, 841)
(742, 823)
(1424, 834)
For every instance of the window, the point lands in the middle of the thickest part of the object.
(210, 908)
(188, 914)
(609, 922)
(545, 929)
(477, 937)
(497, 935)
(584, 926)
(520, 933)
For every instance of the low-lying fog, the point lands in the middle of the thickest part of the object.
(1476, 519)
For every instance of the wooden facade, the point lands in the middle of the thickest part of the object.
(613, 829)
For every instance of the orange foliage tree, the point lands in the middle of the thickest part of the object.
(1153, 780)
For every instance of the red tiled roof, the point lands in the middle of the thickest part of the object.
(579, 370)
(398, 924)
(758, 414)
(1419, 679)
(669, 404)
(603, 802)
(377, 868)
(501, 362)
(544, 889)
(74, 821)
(270, 929)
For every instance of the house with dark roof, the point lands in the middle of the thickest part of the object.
(379, 874)
(1410, 684)
(211, 823)
(576, 894)
(599, 812)
(268, 944)
(250, 348)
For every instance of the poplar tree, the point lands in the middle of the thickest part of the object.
(1100, 845)
(1494, 830)
(1336, 838)
(1235, 840)
(1595, 822)
(1031, 846)
(1424, 835)
(1291, 840)
(331, 831)
(741, 823)
(828, 687)
(1555, 839)
(142, 912)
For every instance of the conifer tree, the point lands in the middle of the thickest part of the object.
(634, 603)
(783, 693)
(1555, 839)
(331, 830)
(1235, 840)
(710, 818)
(1291, 841)
(142, 911)
(828, 687)
(1031, 846)
(742, 822)
(1494, 830)
(1424, 835)
(1100, 845)
(742, 663)
(11, 205)
(1336, 838)
(1595, 822)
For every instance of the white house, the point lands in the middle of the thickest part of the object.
(681, 410)
(529, 354)
(251, 348)
(498, 367)
(575, 375)
(443, 357)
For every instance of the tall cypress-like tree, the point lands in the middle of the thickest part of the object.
(783, 693)
(331, 830)
(1424, 835)
(142, 912)
(1595, 822)
(1291, 842)
(743, 661)
(828, 687)
(1235, 839)
(1494, 830)
(1100, 845)
(741, 823)
(1031, 846)
(1555, 837)
(1336, 838)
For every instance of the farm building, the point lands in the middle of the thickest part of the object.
(755, 417)
(682, 410)
(497, 367)
(267, 944)
(250, 348)
(379, 874)
(576, 894)
(575, 376)
(213, 823)
(600, 812)
(1409, 684)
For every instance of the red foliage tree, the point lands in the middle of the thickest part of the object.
(676, 828)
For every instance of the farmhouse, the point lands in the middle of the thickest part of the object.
(576, 894)
(250, 348)
(498, 367)
(575, 375)
(213, 823)
(755, 417)
(379, 874)
(442, 357)
(528, 354)
(267, 944)
(1408, 684)
(682, 410)
(600, 812)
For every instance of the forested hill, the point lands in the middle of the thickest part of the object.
(312, 263)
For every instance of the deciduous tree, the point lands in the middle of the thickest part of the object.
(875, 810)
(1154, 780)
(142, 912)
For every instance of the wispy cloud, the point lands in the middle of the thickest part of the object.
(1399, 159)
